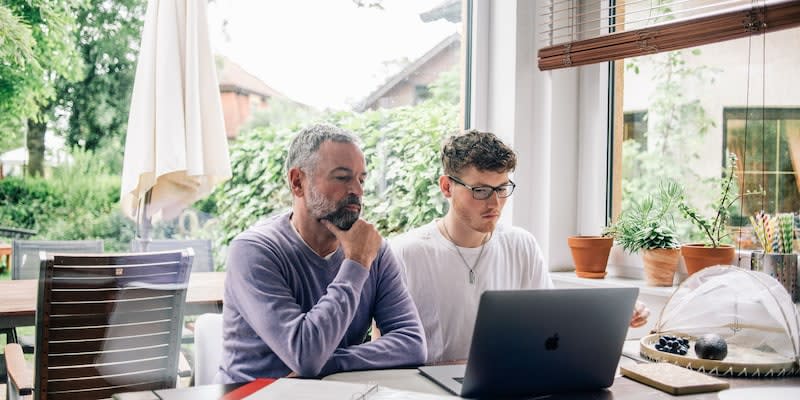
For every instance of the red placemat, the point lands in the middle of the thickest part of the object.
(248, 389)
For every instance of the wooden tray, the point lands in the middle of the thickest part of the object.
(739, 362)
(673, 379)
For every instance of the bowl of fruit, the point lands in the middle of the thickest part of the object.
(711, 353)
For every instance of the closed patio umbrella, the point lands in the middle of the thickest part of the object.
(176, 149)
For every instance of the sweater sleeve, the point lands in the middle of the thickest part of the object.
(402, 341)
(304, 341)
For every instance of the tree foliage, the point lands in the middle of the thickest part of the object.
(36, 49)
(108, 37)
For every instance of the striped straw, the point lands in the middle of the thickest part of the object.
(772, 235)
(786, 232)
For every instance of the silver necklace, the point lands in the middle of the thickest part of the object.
(464, 260)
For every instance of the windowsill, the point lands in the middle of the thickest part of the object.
(569, 278)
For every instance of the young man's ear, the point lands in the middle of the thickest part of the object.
(296, 178)
(446, 186)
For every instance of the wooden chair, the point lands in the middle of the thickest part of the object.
(106, 324)
(203, 262)
(26, 263)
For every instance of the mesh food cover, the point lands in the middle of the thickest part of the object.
(750, 310)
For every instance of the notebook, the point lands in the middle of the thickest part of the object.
(529, 342)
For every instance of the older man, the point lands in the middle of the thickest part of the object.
(303, 286)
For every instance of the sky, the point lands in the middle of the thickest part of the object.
(325, 53)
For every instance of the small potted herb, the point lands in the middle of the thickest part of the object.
(647, 226)
(714, 251)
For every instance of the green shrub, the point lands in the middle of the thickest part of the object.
(79, 201)
(114, 228)
(90, 188)
(28, 202)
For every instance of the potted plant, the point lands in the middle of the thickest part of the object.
(713, 251)
(647, 227)
(590, 254)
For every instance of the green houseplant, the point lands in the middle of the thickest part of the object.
(713, 251)
(647, 226)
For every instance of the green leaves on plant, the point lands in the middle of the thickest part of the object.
(648, 223)
(714, 228)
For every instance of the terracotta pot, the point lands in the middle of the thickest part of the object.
(697, 256)
(660, 266)
(590, 254)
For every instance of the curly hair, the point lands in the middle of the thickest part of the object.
(482, 150)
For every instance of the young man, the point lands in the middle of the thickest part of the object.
(302, 287)
(449, 262)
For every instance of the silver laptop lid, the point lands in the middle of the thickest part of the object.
(547, 341)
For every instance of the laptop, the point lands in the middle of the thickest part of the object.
(529, 342)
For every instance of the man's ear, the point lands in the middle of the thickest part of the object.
(296, 181)
(445, 185)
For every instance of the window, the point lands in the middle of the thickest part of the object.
(767, 144)
(421, 92)
(635, 126)
(684, 110)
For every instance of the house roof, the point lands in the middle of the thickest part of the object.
(448, 9)
(233, 78)
(409, 70)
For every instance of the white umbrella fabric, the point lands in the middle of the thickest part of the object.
(176, 149)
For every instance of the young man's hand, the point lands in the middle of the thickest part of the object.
(640, 314)
(361, 242)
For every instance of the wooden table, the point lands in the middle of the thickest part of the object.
(18, 305)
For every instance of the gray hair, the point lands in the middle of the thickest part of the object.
(303, 152)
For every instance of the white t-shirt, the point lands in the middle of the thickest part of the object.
(438, 280)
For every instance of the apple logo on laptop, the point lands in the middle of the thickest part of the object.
(552, 342)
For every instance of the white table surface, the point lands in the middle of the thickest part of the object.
(411, 379)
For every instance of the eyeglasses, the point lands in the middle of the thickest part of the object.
(484, 192)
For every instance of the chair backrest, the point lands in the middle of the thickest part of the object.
(203, 260)
(109, 323)
(25, 262)
(207, 348)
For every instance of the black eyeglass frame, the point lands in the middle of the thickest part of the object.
(476, 190)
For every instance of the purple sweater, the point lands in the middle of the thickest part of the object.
(287, 309)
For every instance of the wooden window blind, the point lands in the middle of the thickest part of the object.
(577, 32)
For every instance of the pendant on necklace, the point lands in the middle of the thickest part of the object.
(472, 277)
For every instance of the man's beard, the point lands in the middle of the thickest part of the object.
(337, 213)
